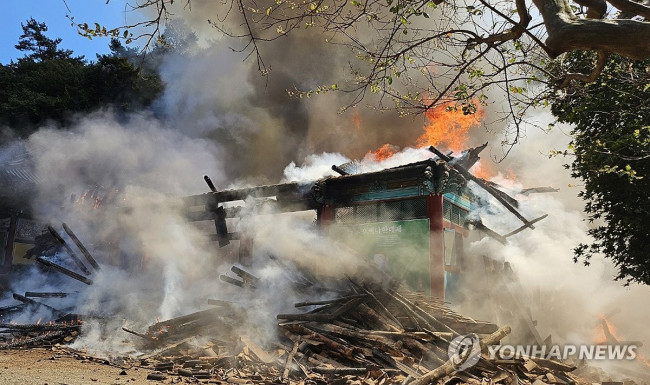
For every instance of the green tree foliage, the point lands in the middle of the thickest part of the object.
(49, 83)
(611, 145)
(41, 47)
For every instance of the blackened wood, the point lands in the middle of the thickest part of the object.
(30, 301)
(320, 317)
(43, 337)
(70, 252)
(210, 184)
(37, 327)
(339, 170)
(498, 195)
(231, 281)
(246, 276)
(329, 301)
(201, 374)
(65, 271)
(156, 376)
(11, 309)
(146, 337)
(81, 247)
(184, 319)
(164, 365)
(45, 295)
(185, 372)
(221, 226)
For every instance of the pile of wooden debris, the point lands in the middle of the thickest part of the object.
(371, 335)
(14, 336)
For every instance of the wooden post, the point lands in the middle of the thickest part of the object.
(436, 246)
(326, 215)
(9, 246)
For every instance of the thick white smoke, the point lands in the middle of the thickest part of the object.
(567, 300)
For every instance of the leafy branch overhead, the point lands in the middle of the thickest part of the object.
(611, 149)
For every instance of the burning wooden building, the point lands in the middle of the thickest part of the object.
(411, 220)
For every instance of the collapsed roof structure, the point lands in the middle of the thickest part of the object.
(411, 218)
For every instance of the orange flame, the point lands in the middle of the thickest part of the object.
(602, 336)
(448, 126)
(484, 171)
(383, 152)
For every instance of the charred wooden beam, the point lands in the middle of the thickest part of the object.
(320, 317)
(38, 327)
(525, 226)
(65, 271)
(231, 281)
(221, 226)
(81, 247)
(210, 184)
(339, 170)
(143, 336)
(30, 301)
(498, 195)
(503, 195)
(46, 295)
(209, 313)
(29, 341)
(329, 301)
(538, 190)
(259, 208)
(235, 236)
(244, 275)
(70, 252)
(156, 376)
(11, 309)
(284, 191)
(478, 224)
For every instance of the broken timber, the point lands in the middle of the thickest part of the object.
(65, 271)
(70, 252)
(81, 247)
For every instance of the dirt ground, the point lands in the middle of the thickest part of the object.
(54, 366)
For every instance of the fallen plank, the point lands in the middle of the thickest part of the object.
(81, 247)
(65, 271)
(70, 252)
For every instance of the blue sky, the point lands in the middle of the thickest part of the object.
(53, 13)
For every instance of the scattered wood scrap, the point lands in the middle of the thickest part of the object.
(370, 335)
(13, 336)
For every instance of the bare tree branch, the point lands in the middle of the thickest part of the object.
(598, 68)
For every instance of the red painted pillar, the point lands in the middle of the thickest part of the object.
(436, 245)
(326, 215)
